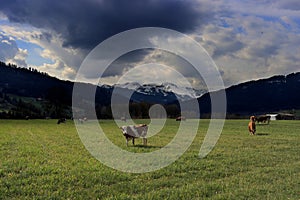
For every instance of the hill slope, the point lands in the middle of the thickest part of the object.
(265, 95)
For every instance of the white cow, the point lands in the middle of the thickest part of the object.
(135, 131)
(81, 120)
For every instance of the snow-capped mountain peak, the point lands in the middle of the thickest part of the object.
(130, 85)
(164, 89)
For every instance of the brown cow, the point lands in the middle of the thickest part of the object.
(252, 126)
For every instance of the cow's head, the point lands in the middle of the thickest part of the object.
(124, 129)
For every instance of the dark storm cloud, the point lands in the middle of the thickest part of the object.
(264, 51)
(227, 48)
(290, 5)
(43, 36)
(124, 63)
(84, 23)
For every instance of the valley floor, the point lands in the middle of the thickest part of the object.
(42, 160)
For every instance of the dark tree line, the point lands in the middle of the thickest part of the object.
(56, 107)
(136, 111)
(17, 108)
(29, 69)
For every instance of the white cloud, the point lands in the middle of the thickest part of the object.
(10, 53)
(251, 45)
(58, 69)
(8, 48)
(20, 58)
(66, 60)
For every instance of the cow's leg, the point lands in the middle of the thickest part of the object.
(126, 141)
(145, 141)
(133, 140)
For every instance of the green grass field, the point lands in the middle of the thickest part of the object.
(42, 160)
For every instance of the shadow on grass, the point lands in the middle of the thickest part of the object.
(262, 124)
(262, 134)
(146, 147)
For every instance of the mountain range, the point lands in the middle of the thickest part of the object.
(170, 92)
(28, 85)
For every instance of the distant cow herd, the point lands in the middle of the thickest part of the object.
(131, 132)
(80, 120)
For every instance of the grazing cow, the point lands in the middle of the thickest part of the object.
(123, 119)
(81, 120)
(135, 131)
(263, 119)
(61, 120)
(181, 118)
(252, 126)
(283, 116)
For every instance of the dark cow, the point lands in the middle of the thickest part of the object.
(252, 126)
(284, 116)
(135, 131)
(263, 119)
(61, 120)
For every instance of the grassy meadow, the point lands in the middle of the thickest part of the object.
(42, 160)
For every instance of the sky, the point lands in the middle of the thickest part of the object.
(247, 40)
